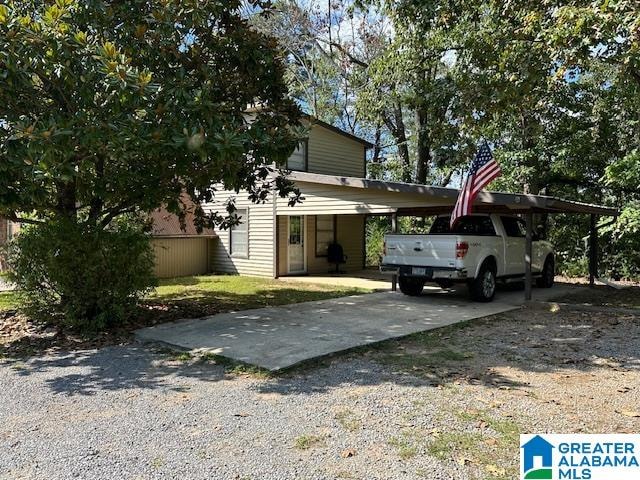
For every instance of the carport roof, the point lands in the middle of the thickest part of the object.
(445, 198)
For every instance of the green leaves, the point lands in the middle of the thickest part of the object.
(4, 14)
(624, 173)
(95, 97)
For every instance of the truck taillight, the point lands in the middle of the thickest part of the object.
(461, 249)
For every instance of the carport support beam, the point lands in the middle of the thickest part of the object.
(593, 250)
(394, 229)
(528, 278)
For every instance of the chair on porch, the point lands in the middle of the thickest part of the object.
(335, 254)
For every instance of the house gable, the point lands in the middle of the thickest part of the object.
(333, 152)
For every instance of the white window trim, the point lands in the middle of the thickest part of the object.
(235, 254)
(305, 225)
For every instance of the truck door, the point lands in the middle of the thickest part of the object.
(515, 245)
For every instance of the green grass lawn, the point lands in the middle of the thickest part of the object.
(8, 300)
(213, 293)
(231, 292)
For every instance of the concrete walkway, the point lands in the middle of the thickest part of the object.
(279, 337)
(368, 279)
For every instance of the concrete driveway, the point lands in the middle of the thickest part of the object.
(279, 337)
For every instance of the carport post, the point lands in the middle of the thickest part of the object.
(593, 250)
(527, 256)
(394, 229)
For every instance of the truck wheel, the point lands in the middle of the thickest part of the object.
(548, 274)
(444, 284)
(483, 287)
(411, 286)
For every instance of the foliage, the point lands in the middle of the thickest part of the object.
(115, 108)
(109, 108)
(81, 275)
(621, 245)
(554, 86)
(376, 228)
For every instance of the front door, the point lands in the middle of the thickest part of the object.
(296, 245)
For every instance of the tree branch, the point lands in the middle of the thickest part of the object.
(113, 213)
(15, 218)
(342, 50)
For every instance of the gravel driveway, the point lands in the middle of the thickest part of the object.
(124, 412)
(444, 405)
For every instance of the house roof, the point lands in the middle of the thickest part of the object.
(443, 199)
(165, 224)
(339, 131)
(316, 121)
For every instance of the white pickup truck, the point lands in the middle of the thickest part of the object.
(480, 250)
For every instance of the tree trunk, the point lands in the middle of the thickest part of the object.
(66, 200)
(423, 159)
(533, 184)
(377, 150)
(398, 131)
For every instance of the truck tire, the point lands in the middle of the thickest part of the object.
(483, 287)
(548, 273)
(411, 286)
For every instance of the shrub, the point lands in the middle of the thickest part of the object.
(620, 244)
(375, 230)
(81, 276)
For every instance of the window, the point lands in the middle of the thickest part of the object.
(475, 225)
(513, 227)
(239, 235)
(298, 159)
(325, 234)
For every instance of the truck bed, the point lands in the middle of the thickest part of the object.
(422, 250)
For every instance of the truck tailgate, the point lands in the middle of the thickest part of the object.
(421, 250)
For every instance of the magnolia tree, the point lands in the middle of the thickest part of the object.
(112, 108)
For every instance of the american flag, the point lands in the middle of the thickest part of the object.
(483, 169)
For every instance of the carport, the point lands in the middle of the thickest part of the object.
(395, 199)
(525, 205)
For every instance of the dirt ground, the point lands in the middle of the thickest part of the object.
(542, 369)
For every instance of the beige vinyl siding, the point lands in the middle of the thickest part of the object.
(179, 257)
(350, 234)
(333, 154)
(351, 237)
(321, 199)
(314, 264)
(283, 235)
(260, 258)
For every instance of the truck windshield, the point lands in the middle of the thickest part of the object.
(476, 225)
